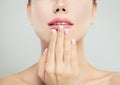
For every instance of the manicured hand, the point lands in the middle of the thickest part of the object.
(58, 64)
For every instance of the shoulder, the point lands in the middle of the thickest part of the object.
(11, 80)
(115, 78)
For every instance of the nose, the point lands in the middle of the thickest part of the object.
(60, 7)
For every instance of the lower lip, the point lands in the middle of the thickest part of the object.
(56, 27)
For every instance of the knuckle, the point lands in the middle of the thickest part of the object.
(67, 48)
(51, 48)
(59, 35)
(71, 75)
(39, 74)
(67, 51)
(52, 39)
(59, 68)
(74, 60)
(68, 74)
(58, 49)
(59, 73)
(67, 40)
(67, 71)
(76, 74)
(49, 70)
(60, 38)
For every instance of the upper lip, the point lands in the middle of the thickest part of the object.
(58, 20)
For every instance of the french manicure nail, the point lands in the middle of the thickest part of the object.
(66, 31)
(45, 51)
(60, 28)
(73, 41)
(53, 31)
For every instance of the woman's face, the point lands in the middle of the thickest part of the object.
(80, 12)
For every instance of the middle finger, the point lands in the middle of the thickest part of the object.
(59, 46)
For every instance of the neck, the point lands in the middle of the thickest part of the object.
(83, 64)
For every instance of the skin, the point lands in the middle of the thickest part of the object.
(63, 63)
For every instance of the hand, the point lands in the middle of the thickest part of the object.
(58, 65)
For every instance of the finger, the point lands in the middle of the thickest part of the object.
(59, 45)
(41, 65)
(51, 52)
(67, 47)
(59, 50)
(50, 65)
(74, 62)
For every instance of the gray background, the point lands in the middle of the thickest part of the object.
(20, 47)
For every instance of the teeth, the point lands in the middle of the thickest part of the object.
(64, 23)
(61, 23)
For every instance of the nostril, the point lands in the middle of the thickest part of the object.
(57, 10)
(60, 9)
(63, 9)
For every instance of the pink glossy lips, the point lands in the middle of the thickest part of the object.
(54, 24)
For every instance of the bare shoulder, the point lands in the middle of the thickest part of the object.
(115, 78)
(11, 80)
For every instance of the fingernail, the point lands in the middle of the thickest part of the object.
(73, 41)
(66, 31)
(45, 51)
(54, 31)
(60, 28)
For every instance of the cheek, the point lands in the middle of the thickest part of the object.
(82, 12)
(40, 19)
(82, 16)
(39, 13)
(41, 10)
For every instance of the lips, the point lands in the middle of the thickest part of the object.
(55, 23)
